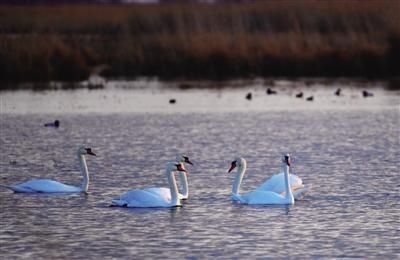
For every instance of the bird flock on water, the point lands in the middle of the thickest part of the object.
(338, 92)
(283, 188)
(280, 189)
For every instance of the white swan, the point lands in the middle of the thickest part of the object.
(148, 198)
(50, 186)
(277, 184)
(261, 196)
(165, 192)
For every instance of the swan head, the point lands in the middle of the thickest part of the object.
(176, 166)
(286, 159)
(238, 162)
(85, 150)
(183, 158)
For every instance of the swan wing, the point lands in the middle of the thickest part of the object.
(165, 193)
(45, 186)
(300, 191)
(277, 183)
(161, 192)
(143, 199)
(260, 197)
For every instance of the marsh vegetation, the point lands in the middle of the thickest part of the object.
(277, 38)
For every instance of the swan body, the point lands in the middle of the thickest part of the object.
(45, 186)
(50, 186)
(154, 197)
(145, 199)
(277, 184)
(262, 197)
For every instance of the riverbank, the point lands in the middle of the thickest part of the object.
(268, 39)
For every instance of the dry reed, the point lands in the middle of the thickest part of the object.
(271, 38)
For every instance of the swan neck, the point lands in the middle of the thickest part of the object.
(288, 190)
(84, 172)
(239, 177)
(173, 187)
(184, 183)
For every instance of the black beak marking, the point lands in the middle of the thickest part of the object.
(89, 151)
(187, 160)
(233, 166)
(287, 160)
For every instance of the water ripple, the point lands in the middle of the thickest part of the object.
(352, 160)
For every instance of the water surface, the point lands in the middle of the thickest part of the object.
(347, 148)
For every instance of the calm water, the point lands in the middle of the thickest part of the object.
(347, 148)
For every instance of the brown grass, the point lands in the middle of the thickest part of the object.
(270, 38)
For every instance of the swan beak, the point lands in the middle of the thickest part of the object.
(89, 151)
(180, 168)
(188, 161)
(287, 160)
(233, 166)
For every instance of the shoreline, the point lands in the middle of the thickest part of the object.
(154, 97)
(203, 84)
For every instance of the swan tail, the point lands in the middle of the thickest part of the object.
(120, 203)
(299, 193)
(6, 187)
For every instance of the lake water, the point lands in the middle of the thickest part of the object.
(347, 147)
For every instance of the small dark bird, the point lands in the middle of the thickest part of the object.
(249, 96)
(55, 124)
(310, 98)
(300, 95)
(367, 94)
(172, 101)
(337, 93)
(271, 92)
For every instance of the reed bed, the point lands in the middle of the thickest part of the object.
(270, 38)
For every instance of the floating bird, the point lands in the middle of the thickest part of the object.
(310, 98)
(271, 92)
(337, 93)
(249, 96)
(299, 95)
(50, 186)
(172, 101)
(277, 183)
(152, 197)
(261, 196)
(367, 94)
(165, 192)
(55, 124)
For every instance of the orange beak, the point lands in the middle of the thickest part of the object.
(180, 168)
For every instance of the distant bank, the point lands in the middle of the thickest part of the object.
(201, 41)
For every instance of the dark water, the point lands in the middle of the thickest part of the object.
(351, 157)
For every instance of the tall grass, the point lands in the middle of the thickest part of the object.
(270, 38)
